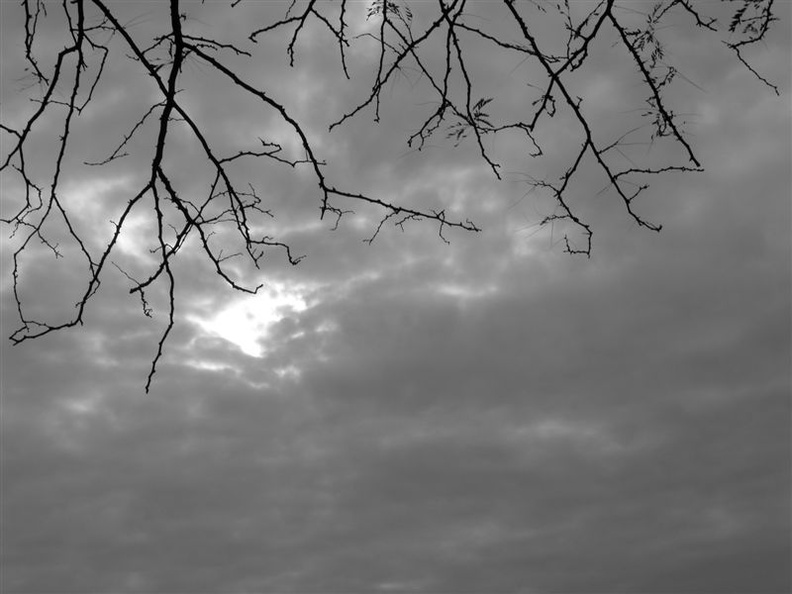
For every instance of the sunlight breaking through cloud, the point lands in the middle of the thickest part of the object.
(246, 321)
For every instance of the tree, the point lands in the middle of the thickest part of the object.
(431, 44)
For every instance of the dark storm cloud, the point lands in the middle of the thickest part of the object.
(485, 416)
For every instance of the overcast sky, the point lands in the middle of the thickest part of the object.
(487, 416)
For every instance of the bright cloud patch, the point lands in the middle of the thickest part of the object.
(90, 198)
(245, 322)
(465, 292)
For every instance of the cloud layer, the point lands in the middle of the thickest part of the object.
(486, 416)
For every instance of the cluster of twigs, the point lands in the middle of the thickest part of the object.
(403, 40)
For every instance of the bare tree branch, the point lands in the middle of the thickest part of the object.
(432, 44)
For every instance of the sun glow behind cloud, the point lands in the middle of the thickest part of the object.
(246, 321)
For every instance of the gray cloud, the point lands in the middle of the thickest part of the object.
(485, 416)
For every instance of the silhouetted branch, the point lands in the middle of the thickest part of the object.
(432, 42)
